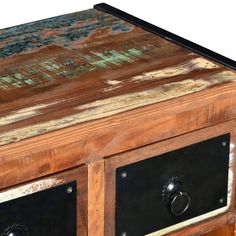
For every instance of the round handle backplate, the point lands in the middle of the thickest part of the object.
(15, 230)
(176, 200)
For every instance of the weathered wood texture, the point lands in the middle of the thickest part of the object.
(214, 225)
(79, 88)
(88, 65)
(162, 147)
(96, 197)
(91, 141)
(227, 230)
(103, 86)
(78, 174)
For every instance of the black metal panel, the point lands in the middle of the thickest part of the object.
(167, 35)
(45, 213)
(200, 174)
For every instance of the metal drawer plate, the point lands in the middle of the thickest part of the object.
(48, 212)
(203, 171)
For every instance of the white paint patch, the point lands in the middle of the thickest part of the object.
(231, 172)
(29, 189)
(181, 69)
(209, 214)
(129, 101)
(114, 105)
(113, 82)
(222, 77)
(111, 88)
(188, 222)
(24, 113)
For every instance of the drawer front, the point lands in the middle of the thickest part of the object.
(172, 184)
(176, 186)
(55, 205)
(41, 213)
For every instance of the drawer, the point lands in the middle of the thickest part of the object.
(55, 205)
(166, 186)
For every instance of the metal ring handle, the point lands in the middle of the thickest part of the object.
(177, 195)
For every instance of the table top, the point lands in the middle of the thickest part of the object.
(89, 65)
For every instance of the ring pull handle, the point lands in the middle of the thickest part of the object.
(179, 203)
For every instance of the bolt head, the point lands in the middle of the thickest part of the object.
(69, 189)
(123, 175)
(124, 234)
(224, 144)
(221, 200)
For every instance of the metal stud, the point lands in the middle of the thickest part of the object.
(123, 175)
(221, 200)
(69, 189)
(224, 144)
(123, 234)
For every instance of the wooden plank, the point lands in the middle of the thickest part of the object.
(79, 104)
(209, 227)
(96, 186)
(154, 150)
(227, 230)
(62, 149)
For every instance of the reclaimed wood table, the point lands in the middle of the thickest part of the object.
(112, 126)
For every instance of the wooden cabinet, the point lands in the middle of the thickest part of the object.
(84, 94)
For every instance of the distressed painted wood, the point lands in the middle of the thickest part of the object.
(75, 68)
(71, 75)
(82, 88)
(92, 141)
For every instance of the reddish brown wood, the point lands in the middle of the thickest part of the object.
(227, 230)
(95, 140)
(215, 225)
(96, 188)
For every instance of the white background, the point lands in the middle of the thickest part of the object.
(210, 23)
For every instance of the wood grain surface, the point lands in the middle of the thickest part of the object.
(83, 87)
(227, 230)
(91, 141)
(96, 191)
(89, 65)
(214, 226)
